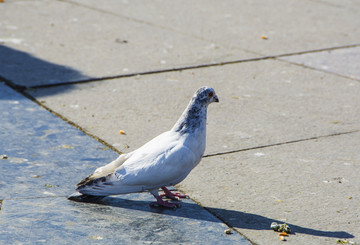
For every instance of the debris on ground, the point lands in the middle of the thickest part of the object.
(280, 227)
(64, 146)
(283, 230)
(344, 241)
(96, 237)
(228, 231)
(51, 186)
(4, 157)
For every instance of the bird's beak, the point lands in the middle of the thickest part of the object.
(215, 98)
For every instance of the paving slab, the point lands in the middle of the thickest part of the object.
(345, 62)
(286, 26)
(45, 157)
(351, 5)
(64, 42)
(261, 103)
(114, 221)
(313, 186)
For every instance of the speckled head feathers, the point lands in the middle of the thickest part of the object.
(205, 95)
(194, 116)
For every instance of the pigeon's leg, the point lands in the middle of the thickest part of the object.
(161, 202)
(171, 195)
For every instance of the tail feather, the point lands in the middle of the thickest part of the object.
(91, 186)
(86, 180)
(107, 185)
(78, 197)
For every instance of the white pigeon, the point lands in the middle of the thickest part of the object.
(164, 161)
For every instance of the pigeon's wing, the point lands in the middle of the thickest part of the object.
(165, 160)
(167, 166)
(105, 170)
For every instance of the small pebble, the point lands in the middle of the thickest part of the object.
(228, 231)
(4, 157)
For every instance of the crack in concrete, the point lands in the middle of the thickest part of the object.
(318, 69)
(175, 69)
(281, 143)
(21, 91)
(207, 155)
(31, 198)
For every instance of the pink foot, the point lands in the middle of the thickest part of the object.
(162, 203)
(171, 195)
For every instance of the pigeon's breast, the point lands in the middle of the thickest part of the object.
(196, 142)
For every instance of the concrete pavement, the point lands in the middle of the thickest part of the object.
(46, 157)
(283, 144)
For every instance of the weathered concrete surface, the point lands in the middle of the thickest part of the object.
(261, 103)
(290, 26)
(344, 62)
(313, 186)
(46, 157)
(84, 39)
(293, 183)
(65, 42)
(117, 220)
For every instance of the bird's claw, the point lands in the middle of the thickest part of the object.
(174, 196)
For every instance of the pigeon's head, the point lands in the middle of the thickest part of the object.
(205, 96)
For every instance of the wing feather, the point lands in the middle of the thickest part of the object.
(105, 170)
(158, 169)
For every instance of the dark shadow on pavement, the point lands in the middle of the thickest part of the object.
(257, 222)
(239, 219)
(25, 70)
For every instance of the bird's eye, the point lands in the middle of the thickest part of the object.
(211, 94)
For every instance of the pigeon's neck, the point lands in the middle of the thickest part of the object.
(192, 119)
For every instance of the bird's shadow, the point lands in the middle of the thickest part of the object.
(234, 218)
